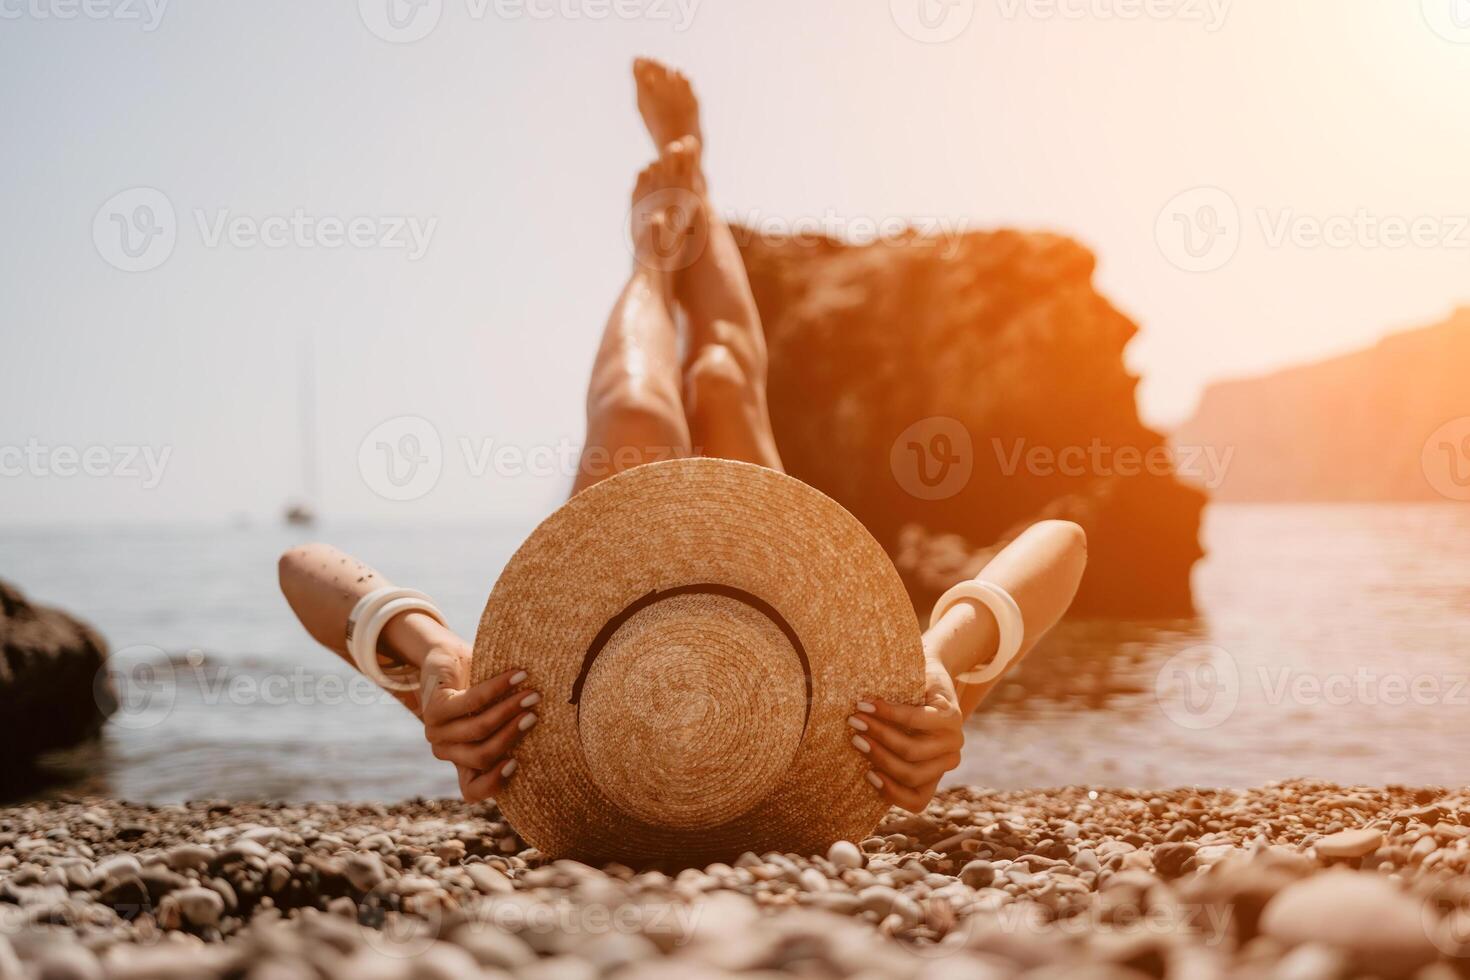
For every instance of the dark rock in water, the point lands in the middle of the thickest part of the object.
(951, 392)
(53, 693)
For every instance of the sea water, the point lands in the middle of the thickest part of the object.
(1330, 641)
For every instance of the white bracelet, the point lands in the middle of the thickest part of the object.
(365, 624)
(1002, 606)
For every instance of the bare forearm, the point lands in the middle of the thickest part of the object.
(474, 727)
(1041, 569)
(323, 584)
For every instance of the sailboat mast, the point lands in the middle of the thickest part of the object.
(307, 408)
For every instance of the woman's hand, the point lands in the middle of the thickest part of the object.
(911, 746)
(473, 727)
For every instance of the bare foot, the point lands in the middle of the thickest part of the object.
(725, 349)
(667, 103)
(665, 224)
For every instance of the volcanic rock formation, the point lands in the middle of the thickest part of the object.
(950, 392)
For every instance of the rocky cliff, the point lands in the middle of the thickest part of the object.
(1391, 422)
(951, 392)
(53, 692)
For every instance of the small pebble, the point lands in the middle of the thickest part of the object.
(845, 854)
(983, 883)
(1347, 844)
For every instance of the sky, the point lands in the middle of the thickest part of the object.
(432, 195)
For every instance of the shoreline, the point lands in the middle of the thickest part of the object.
(1306, 877)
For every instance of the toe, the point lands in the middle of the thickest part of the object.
(649, 72)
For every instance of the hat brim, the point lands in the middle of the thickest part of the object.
(666, 525)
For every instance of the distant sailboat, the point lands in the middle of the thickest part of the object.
(300, 515)
(300, 512)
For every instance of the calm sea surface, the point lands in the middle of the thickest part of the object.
(1331, 641)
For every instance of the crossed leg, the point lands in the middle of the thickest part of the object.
(652, 397)
(725, 381)
(635, 402)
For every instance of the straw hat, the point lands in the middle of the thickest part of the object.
(700, 629)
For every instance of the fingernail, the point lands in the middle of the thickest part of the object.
(527, 722)
(507, 769)
(517, 677)
(873, 778)
(861, 743)
(866, 706)
(530, 699)
(858, 723)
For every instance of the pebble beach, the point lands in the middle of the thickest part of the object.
(1295, 880)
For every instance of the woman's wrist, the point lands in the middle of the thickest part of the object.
(409, 637)
(965, 638)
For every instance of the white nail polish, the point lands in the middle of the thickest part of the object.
(530, 699)
(861, 743)
(867, 707)
(507, 769)
(517, 677)
(527, 722)
(858, 723)
(873, 778)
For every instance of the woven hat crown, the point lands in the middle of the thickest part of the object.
(700, 629)
(665, 715)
